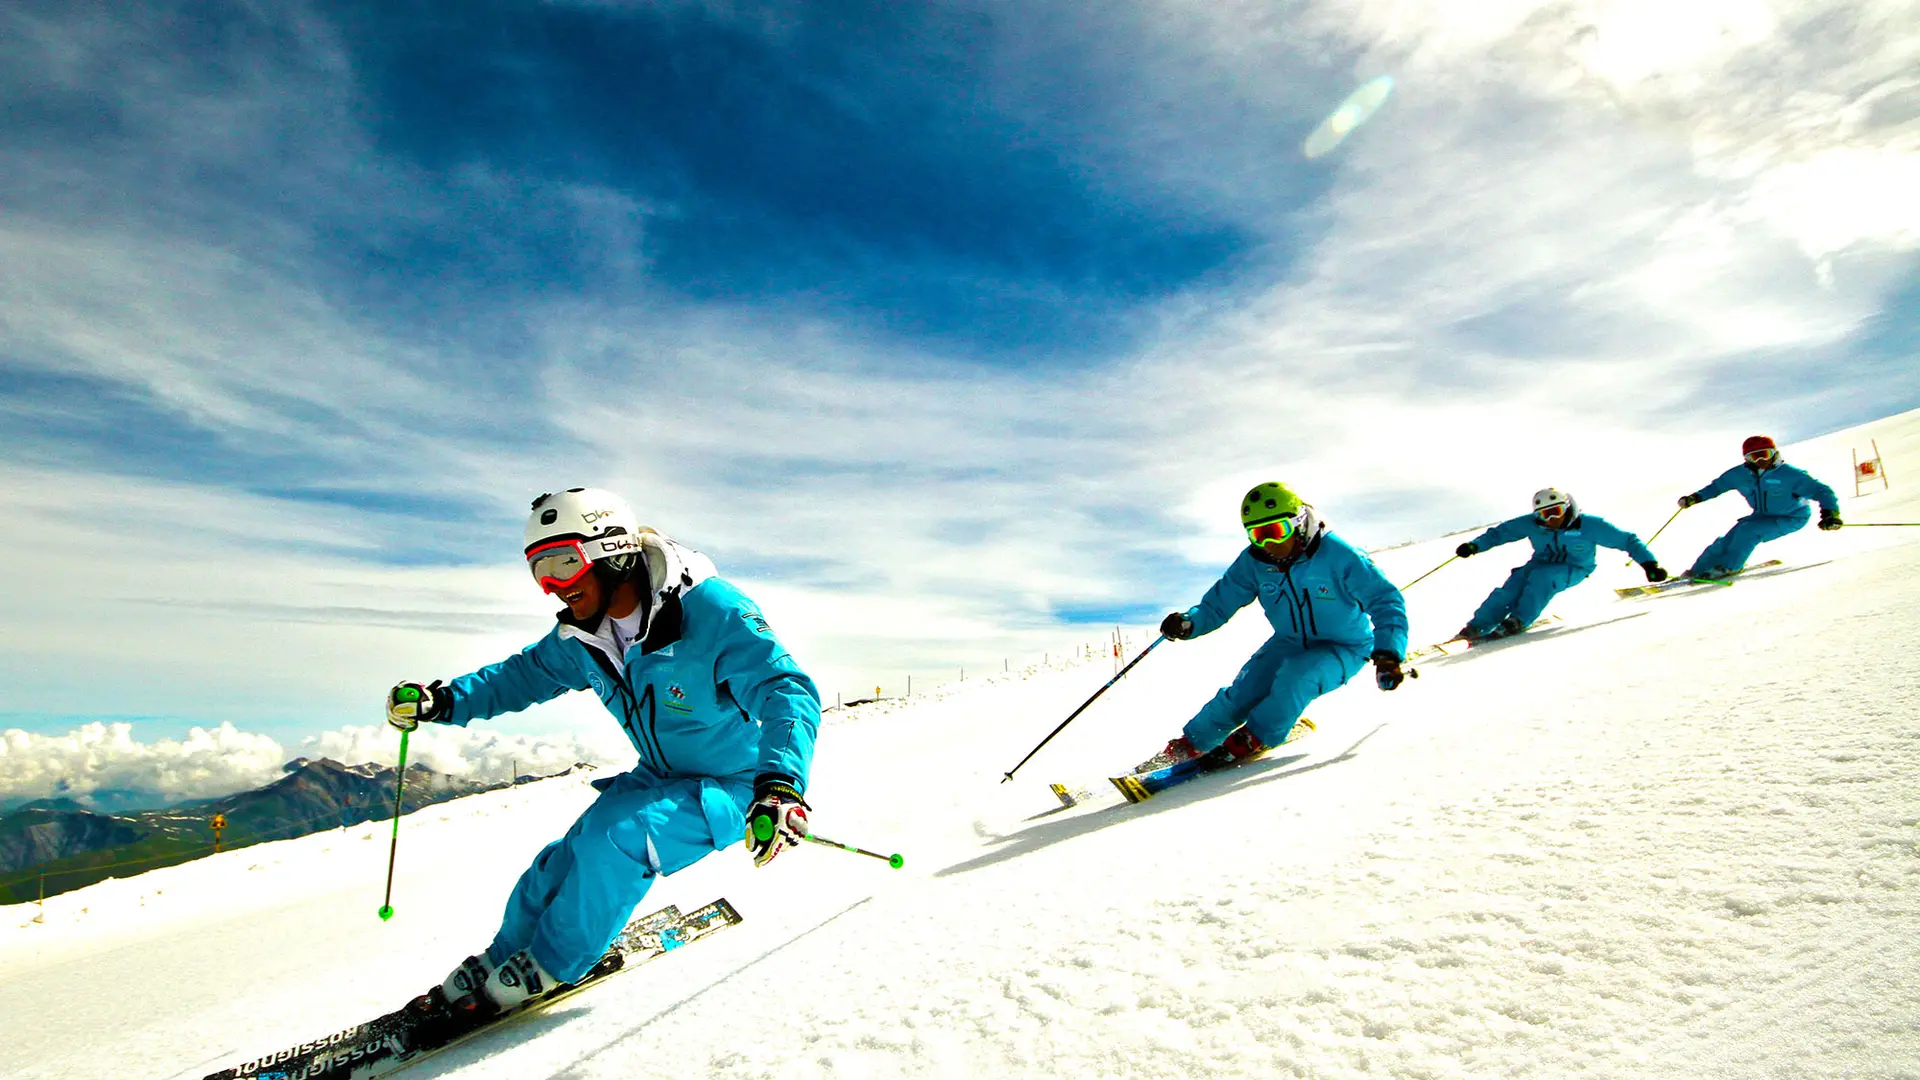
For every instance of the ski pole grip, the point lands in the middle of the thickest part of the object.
(763, 828)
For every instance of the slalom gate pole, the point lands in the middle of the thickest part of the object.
(1661, 529)
(399, 788)
(1083, 706)
(1426, 575)
(894, 860)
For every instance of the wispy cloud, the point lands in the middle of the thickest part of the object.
(946, 330)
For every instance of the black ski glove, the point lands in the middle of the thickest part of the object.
(1654, 573)
(1467, 550)
(409, 705)
(1386, 670)
(1688, 500)
(1176, 627)
(1829, 521)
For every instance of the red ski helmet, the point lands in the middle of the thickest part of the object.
(1757, 442)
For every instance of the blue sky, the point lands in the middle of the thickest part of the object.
(952, 331)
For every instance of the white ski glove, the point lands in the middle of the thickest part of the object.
(776, 820)
(410, 704)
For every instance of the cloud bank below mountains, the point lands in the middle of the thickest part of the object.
(103, 763)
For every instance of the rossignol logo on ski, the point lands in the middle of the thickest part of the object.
(324, 1056)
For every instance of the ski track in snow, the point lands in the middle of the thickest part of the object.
(1685, 843)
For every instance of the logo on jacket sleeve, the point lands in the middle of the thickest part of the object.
(675, 699)
(756, 622)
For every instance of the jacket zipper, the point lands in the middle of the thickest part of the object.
(631, 721)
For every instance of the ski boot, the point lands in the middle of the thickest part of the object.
(1240, 746)
(1177, 751)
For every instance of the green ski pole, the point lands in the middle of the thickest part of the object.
(399, 789)
(1658, 531)
(1426, 575)
(763, 831)
(894, 860)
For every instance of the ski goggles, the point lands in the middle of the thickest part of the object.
(1273, 532)
(1555, 511)
(1762, 456)
(559, 565)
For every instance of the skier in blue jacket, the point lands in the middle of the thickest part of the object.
(1564, 541)
(1778, 494)
(721, 716)
(1331, 609)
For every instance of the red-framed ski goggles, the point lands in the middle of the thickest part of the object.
(1763, 456)
(1278, 531)
(1554, 511)
(559, 564)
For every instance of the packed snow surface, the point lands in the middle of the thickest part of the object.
(1677, 837)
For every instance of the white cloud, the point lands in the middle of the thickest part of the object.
(1570, 216)
(211, 762)
(103, 757)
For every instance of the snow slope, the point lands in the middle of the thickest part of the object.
(1678, 838)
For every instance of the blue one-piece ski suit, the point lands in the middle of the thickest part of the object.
(710, 701)
(1778, 496)
(1562, 558)
(1331, 609)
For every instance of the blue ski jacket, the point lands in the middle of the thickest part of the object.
(707, 691)
(1781, 491)
(1571, 546)
(1331, 593)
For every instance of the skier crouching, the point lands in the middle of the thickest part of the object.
(1331, 610)
(1778, 494)
(1564, 541)
(722, 718)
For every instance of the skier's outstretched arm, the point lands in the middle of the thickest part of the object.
(1504, 533)
(1235, 590)
(1721, 485)
(1607, 534)
(535, 674)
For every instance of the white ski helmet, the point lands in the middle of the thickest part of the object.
(605, 525)
(1547, 497)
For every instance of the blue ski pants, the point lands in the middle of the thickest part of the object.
(1526, 593)
(1273, 689)
(1732, 551)
(581, 889)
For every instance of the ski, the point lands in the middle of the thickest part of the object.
(1681, 581)
(408, 1035)
(1141, 786)
(1082, 793)
(1451, 645)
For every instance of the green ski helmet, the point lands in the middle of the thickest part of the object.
(1270, 501)
(1273, 515)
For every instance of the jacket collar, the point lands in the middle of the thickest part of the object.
(672, 570)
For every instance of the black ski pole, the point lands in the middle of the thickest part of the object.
(399, 788)
(1658, 531)
(1083, 706)
(1426, 575)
